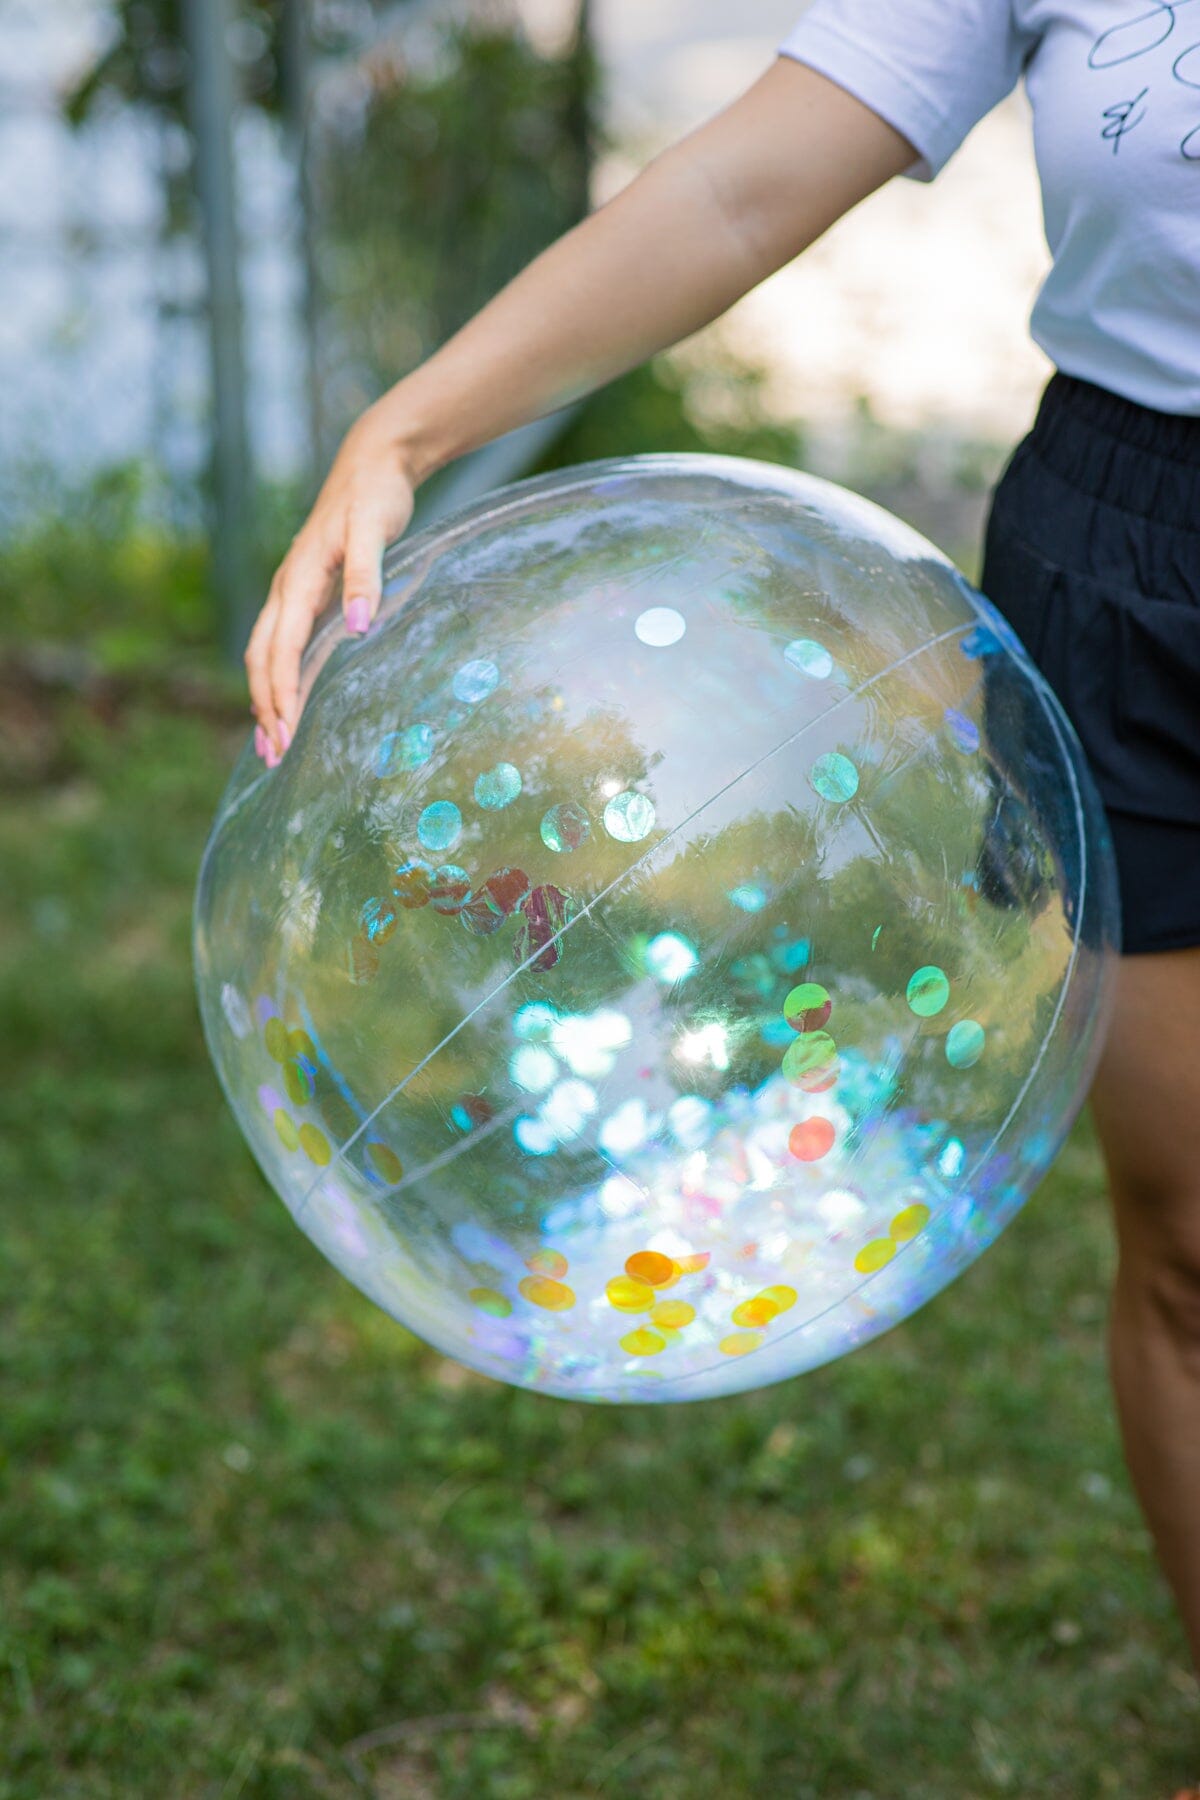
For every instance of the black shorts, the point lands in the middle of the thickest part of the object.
(1092, 553)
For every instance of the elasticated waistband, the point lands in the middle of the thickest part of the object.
(1121, 452)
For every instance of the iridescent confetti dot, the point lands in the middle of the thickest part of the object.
(629, 817)
(551, 1296)
(874, 1255)
(748, 897)
(813, 1055)
(378, 919)
(643, 1342)
(498, 787)
(298, 1081)
(545, 915)
(807, 1007)
(547, 1262)
(928, 991)
(660, 626)
(490, 1301)
(276, 1039)
(403, 750)
(811, 1139)
(315, 1145)
(384, 1161)
(475, 681)
(629, 1295)
(411, 884)
(449, 889)
(670, 958)
(651, 1266)
(834, 777)
(908, 1223)
(964, 731)
(285, 1130)
(440, 825)
(566, 827)
(533, 1068)
(494, 901)
(812, 659)
(964, 1043)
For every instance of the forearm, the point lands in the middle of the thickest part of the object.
(702, 225)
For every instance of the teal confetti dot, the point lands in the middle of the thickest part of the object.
(671, 958)
(566, 827)
(964, 1043)
(875, 935)
(440, 825)
(498, 787)
(812, 659)
(748, 897)
(629, 817)
(928, 991)
(401, 750)
(834, 777)
(475, 681)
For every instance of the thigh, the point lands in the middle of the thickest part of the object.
(1146, 1103)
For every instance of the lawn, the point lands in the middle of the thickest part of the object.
(255, 1541)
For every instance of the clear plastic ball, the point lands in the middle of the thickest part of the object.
(677, 940)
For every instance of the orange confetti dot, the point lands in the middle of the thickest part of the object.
(628, 1295)
(740, 1343)
(643, 1342)
(692, 1264)
(906, 1224)
(759, 1311)
(547, 1262)
(386, 1163)
(651, 1266)
(782, 1298)
(811, 1139)
(674, 1314)
(315, 1145)
(874, 1255)
(490, 1300)
(554, 1296)
(285, 1127)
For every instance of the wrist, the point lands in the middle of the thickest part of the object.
(410, 433)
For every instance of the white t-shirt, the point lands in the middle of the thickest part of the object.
(1115, 91)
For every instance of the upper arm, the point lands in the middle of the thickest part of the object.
(790, 156)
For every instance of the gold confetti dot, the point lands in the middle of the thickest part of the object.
(300, 1044)
(874, 1255)
(628, 1295)
(489, 1300)
(285, 1127)
(299, 1083)
(315, 1145)
(554, 1296)
(276, 1039)
(651, 1266)
(740, 1343)
(547, 1262)
(759, 1311)
(643, 1342)
(906, 1224)
(384, 1161)
(674, 1314)
(782, 1298)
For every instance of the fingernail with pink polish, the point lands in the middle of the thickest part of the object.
(260, 741)
(272, 756)
(358, 616)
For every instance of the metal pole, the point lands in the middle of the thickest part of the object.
(296, 75)
(212, 99)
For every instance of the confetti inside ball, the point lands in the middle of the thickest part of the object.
(767, 972)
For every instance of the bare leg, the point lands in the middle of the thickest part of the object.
(1146, 1103)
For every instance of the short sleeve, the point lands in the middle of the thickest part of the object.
(930, 68)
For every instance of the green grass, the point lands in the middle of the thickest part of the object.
(255, 1541)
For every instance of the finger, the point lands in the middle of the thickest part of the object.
(256, 661)
(299, 605)
(366, 538)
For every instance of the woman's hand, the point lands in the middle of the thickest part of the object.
(366, 501)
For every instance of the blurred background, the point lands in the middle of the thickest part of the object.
(255, 1541)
